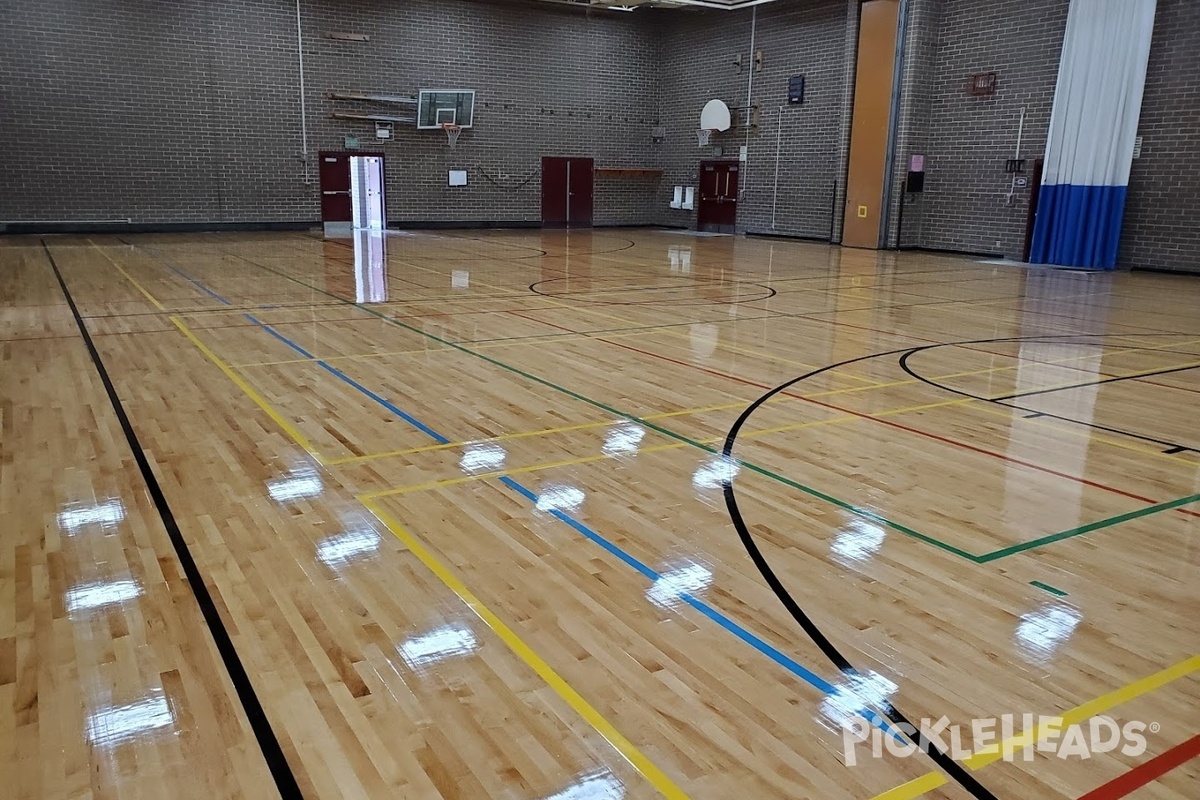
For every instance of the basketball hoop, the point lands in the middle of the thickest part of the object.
(452, 132)
(703, 135)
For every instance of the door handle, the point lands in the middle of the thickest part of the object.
(346, 192)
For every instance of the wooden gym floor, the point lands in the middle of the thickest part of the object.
(493, 537)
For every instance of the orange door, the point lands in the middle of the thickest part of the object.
(869, 127)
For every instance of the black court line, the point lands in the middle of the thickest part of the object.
(691, 284)
(1154, 373)
(939, 757)
(268, 743)
(1000, 401)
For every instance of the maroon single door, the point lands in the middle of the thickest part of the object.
(579, 192)
(567, 185)
(554, 192)
(335, 187)
(717, 212)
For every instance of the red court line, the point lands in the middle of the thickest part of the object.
(1143, 774)
(862, 415)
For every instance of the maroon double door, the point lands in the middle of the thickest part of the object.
(717, 212)
(334, 176)
(567, 185)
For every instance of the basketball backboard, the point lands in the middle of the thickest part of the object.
(438, 107)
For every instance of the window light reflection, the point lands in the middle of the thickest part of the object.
(857, 542)
(449, 641)
(89, 596)
(111, 726)
(107, 514)
(668, 591)
(1041, 633)
(623, 438)
(715, 473)
(339, 550)
(299, 484)
(859, 698)
(482, 458)
(560, 497)
(601, 785)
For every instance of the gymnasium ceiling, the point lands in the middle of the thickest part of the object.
(631, 5)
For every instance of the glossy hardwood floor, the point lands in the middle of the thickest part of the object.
(468, 511)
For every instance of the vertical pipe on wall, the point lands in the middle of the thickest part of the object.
(778, 141)
(885, 217)
(303, 106)
(744, 179)
(1012, 186)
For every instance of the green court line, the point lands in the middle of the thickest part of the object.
(1082, 529)
(1048, 588)
(860, 512)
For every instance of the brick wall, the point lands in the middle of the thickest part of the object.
(189, 112)
(152, 111)
(969, 138)
(807, 38)
(1161, 229)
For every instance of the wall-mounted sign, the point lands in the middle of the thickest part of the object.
(795, 90)
(982, 83)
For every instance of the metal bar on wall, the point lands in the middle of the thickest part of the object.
(885, 217)
(303, 102)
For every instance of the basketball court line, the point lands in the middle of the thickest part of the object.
(251, 393)
(1074, 716)
(897, 425)
(260, 725)
(493, 345)
(862, 513)
(636, 759)
(979, 559)
(620, 319)
(700, 605)
(646, 768)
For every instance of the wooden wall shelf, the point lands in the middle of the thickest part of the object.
(630, 172)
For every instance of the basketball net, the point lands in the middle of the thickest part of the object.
(452, 132)
(703, 136)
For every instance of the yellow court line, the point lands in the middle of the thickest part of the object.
(645, 767)
(932, 780)
(567, 462)
(129, 277)
(435, 349)
(444, 482)
(249, 391)
(508, 437)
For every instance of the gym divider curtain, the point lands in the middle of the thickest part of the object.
(1097, 102)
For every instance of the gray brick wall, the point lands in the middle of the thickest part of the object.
(813, 38)
(189, 112)
(1161, 229)
(151, 111)
(969, 138)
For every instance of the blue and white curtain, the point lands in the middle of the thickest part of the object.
(1092, 130)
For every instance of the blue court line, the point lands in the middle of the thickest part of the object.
(197, 284)
(771, 652)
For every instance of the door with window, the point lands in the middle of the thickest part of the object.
(717, 212)
(337, 187)
(567, 185)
